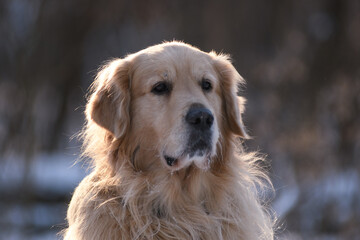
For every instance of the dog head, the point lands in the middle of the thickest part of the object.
(169, 103)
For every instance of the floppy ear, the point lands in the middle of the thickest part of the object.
(233, 105)
(109, 104)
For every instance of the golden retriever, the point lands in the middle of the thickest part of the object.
(162, 130)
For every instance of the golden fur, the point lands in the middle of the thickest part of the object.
(131, 192)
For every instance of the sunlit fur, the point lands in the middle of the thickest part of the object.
(131, 193)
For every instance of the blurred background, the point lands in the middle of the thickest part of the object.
(301, 60)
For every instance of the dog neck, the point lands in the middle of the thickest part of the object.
(182, 200)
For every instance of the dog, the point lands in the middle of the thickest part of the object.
(163, 133)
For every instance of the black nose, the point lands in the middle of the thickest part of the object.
(199, 117)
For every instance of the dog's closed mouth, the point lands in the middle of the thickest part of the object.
(199, 146)
(170, 160)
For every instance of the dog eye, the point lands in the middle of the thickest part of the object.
(206, 85)
(161, 88)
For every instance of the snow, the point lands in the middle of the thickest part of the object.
(49, 173)
(56, 173)
(286, 200)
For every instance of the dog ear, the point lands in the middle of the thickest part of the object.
(109, 104)
(233, 105)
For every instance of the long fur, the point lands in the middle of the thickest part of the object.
(118, 200)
